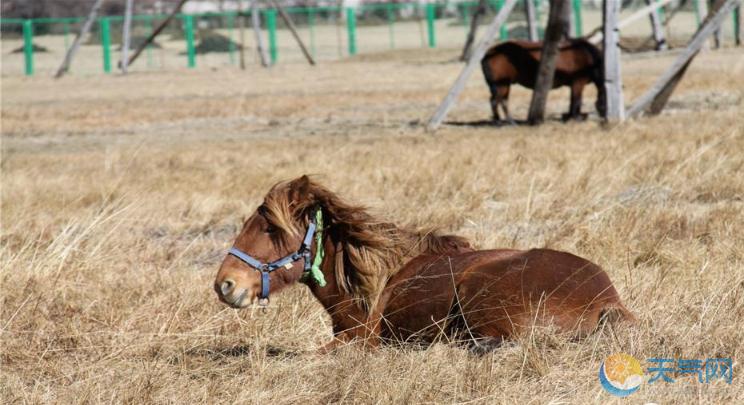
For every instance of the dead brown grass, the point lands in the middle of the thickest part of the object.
(120, 195)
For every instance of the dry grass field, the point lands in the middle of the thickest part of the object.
(120, 196)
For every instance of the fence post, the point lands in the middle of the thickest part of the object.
(351, 29)
(504, 30)
(28, 46)
(578, 24)
(660, 11)
(430, 16)
(106, 43)
(190, 51)
(271, 26)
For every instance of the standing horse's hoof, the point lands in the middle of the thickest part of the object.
(578, 117)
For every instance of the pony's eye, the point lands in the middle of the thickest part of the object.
(270, 229)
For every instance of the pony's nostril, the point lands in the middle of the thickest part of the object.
(227, 286)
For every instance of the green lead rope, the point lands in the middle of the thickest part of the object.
(315, 274)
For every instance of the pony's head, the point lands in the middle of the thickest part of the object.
(274, 231)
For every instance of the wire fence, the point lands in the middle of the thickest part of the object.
(211, 40)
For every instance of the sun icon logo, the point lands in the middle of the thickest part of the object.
(620, 374)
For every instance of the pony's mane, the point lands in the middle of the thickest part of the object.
(370, 251)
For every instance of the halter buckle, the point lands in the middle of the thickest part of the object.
(263, 303)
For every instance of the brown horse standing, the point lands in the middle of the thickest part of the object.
(385, 283)
(578, 63)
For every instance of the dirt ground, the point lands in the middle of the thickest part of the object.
(120, 196)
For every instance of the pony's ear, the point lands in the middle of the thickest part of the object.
(300, 189)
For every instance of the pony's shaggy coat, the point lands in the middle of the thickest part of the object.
(375, 250)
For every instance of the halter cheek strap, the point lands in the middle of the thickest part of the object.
(311, 269)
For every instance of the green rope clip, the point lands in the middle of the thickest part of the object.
(315, 274)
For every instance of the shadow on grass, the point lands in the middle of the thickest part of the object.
(483, 123)
(218, 353)
(500, 124)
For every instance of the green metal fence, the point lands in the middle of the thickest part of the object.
(211, 39)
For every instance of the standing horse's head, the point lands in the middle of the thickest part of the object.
(272, 248)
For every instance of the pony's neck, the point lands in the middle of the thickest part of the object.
(340, 305)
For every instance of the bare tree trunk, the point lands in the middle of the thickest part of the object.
(126, 37)
(557, 25)
(76, 43)
(480, 10)
(157, 31)
(613, 79)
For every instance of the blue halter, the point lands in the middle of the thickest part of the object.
(267, 268)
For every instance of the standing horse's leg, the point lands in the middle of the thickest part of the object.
(504, 96)
(495, 101)
(574, 111)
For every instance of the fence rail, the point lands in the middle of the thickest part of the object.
(363, 28)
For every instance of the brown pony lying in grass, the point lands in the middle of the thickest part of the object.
(578, 63)
(379, 282)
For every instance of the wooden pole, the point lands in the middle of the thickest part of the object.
(529, 11)
(654, 100)
(475, 58)
(555, 31)
(292, 29)
(76, 42)
(126, 37)
(256, 25)
(737, 25)
(613, 79)
(156, 32)
(657, 27)
(241, 34)
(480, 10)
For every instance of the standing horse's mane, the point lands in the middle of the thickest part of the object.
(369, 251)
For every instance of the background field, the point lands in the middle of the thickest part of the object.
(121, 194)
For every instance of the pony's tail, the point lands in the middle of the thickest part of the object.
(617, 313)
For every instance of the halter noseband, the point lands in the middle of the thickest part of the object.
(312, 268)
